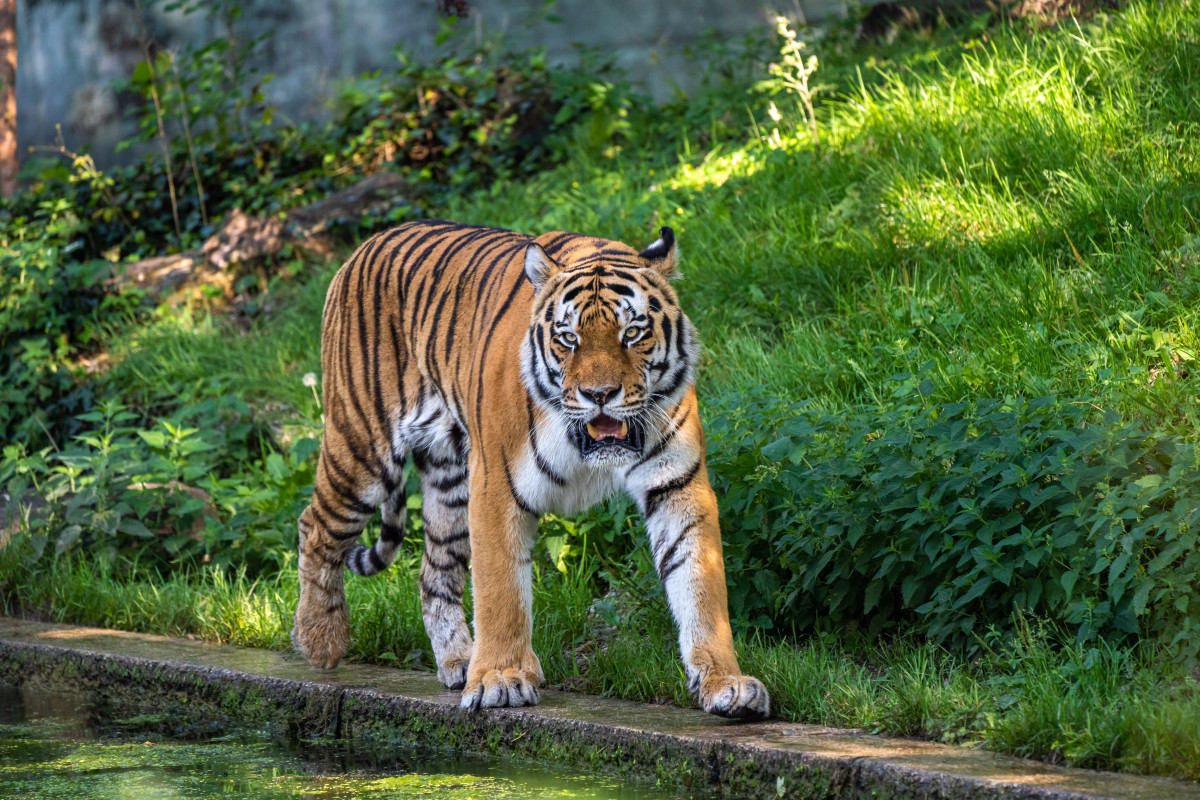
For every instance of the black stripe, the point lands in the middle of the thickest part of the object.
(376, 321)
(457, 441)
(395, 504)
(424, 461)
(620, 289)
(542, 466)
(438, 270)
(539, 351)
(449, 482)
(668, 333)
(430, 593)
(658, 449)
(455, 502)
(674, 382)
(400, 355)
(656, 496)
(349, 385)
(665, 572)
(342, 483)
(391, 534)
(342, 536)
(668, 564)
(501, 252)
(570, 295)
(481, 356)
(459, 561)
(520, 501)
(435, 230)
(377, 562)
(328, 510)
(547, 470)
(345, 427)
(663, 558)
(449, 538)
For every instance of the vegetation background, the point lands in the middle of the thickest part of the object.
(946, 273)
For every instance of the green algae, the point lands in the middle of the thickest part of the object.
(60, 751)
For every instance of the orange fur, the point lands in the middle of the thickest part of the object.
(521, 375)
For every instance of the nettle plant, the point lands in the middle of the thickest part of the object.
(952, 517)
(205, 485)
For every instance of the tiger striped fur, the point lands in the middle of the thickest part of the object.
(522, 375)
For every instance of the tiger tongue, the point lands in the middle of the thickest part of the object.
(604, 426)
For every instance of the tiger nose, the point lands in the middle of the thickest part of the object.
(598, 394)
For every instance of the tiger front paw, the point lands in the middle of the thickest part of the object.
(322, 630)
(452, 671)
(499, 688)
(735, 697)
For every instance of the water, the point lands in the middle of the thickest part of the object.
(52, 746)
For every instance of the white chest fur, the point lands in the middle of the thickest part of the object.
(551, 476)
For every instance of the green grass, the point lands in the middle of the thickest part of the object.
(1017, 212)
(1020, 214)
(1098, 707)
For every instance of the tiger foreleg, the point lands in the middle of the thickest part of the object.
(504, 670)
(685, 540)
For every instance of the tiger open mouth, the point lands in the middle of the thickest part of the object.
(603, 432)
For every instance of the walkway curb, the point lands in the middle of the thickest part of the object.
(208, 686)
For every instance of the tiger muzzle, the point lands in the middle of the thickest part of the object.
(605, 434)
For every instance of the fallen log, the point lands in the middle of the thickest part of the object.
(243, 238)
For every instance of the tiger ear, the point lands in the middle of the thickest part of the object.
(663, 255)
(538, 266)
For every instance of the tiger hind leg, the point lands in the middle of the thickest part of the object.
(329, 527)
(444, 565)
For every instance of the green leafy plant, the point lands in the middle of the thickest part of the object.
(54, 311)
(947, 517)
(202, 485)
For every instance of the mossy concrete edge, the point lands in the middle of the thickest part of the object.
(673, 748)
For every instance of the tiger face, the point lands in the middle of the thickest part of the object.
(608, 346)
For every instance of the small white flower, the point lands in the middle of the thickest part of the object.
(773, 112)
(310, 379)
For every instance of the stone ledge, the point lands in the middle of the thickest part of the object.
(207, 685)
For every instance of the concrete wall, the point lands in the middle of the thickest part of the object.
(71, 51)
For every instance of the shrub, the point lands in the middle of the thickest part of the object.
(201, 485)
(54, 310)
(951, 517)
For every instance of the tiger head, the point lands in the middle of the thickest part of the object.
(608, 347)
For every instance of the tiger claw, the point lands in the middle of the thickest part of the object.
(453, 673)
(735, 697)
(509, 688)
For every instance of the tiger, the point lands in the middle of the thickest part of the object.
(521, 375)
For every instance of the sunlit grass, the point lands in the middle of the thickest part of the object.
(1090, 706)
(996, 212)
(1016, 211)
